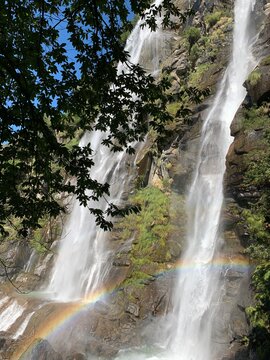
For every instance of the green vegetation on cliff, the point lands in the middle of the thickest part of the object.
(256, 117)
(256, 219)
(151, 230)
(254, 77)
(212, 18)
(204, 48)
(265, 61)
(192, 35)
(259, 314)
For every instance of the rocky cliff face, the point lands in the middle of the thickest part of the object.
(143, 269)
(247, 189)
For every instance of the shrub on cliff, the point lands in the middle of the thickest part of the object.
(257, 222)
(259, 314)
(213, 18)
(192, 34)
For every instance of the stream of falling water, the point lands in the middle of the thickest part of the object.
(83, 262)
(198, 292)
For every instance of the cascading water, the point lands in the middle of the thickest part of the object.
(10, 314)
(83, 260)
(198, 291)
(196, 299)
(23, 326)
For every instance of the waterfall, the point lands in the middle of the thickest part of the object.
(198, 291)
(83, 264)
(10, 313)
(190, 327)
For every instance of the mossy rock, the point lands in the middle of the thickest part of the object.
(258, 85)
(254, 77)
(205, 76)
(155, 233)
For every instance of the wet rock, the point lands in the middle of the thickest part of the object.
(27, 281)
(124, 261)
(246, 142)
(267, 9)
(7, 345)
(143, 168)
(237, 351)
(237, 161)
(77, 356)
(133, 309)
(22, 254)
(230, 215)
(234, 275)
(99, 348)
(236, 125)
(174, 248)
(41, 350)
(181, 66)
(262, 47)
(2, 342)
(260, 91)
(43, 266)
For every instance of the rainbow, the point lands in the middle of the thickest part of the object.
(235, 262)
(64, 312)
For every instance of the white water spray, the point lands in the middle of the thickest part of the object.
(10, 314)
(23, 326)
(83, 260)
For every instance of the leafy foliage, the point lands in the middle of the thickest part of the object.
(194, 54)
(192, 34)
(258, 169)
(207, 47)
(256, 225)
(255, 118)
(213, 18)
(259, 314)
(258, 230)
(58, 61)
(254, 77)
(265, 61)
(195, 78)
(257, 222)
